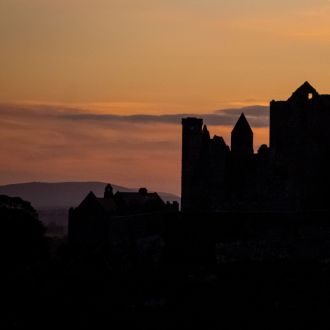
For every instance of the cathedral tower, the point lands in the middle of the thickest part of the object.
(242, 138)
(191, 150)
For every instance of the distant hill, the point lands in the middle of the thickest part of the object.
(63, 194)
(52, 200)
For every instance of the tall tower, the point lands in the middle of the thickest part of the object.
(299, 148)
(290, 120)
(191, 148)
(242, 138)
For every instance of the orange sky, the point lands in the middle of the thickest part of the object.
(151, 57)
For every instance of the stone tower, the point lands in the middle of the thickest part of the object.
(290, 120)
(191, 148)
(299, 148)
(242, 138)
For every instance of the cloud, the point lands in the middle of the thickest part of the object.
(257, 115)
(53, 143)
(39, 143)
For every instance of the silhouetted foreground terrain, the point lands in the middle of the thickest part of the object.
(235, 271)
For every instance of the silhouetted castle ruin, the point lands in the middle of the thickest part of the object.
(292, 174)
(118, 218)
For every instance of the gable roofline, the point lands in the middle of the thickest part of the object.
(304, 92)
(242, 125)
(90, 196)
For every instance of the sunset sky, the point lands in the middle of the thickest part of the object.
(95, 89)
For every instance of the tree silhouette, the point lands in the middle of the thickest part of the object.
(23, 241)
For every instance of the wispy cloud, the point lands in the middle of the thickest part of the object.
(52, 142)
(258, 115)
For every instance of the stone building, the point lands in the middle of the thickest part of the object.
(119, 219)
(292, 174)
